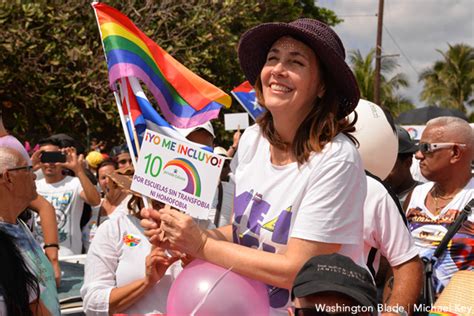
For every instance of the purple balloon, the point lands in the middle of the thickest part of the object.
(229, 293)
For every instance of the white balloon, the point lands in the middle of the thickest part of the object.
(378, 142)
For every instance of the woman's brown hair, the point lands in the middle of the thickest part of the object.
(318, 128)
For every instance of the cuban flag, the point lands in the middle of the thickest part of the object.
(245, 94)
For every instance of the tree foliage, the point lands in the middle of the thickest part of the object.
(364, 71)
(450, 81)
(54, 76)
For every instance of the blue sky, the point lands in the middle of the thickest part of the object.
(414, 29)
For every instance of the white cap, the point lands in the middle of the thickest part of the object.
(206, 126)
(221, 152)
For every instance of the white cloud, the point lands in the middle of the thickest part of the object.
(419, 27)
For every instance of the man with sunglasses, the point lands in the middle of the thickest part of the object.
(121, 156)
(445, 153)
(67, 194)
(17, 191)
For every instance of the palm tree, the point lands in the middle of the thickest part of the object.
(450, 81)
(364, 71)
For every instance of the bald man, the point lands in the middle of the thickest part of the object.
(445, 153)
(17, 191)
(40, 205)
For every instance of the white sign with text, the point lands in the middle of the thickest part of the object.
(177, 173)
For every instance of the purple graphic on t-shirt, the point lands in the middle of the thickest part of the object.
(280, 233)
(282, 227)
(258, 210)
(240, 205)
(278, 296)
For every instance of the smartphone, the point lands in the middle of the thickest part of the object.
(53, 156)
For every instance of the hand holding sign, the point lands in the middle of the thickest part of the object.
(182, 233)
(151, 223)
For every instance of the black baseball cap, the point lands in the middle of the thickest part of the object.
(405, 144)
(117, 150)
(335, 273)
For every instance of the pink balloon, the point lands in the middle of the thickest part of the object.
(233, 294)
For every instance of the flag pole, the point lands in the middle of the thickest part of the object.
(125, 130)
(132, 126)
(132, 81)
(119, 107)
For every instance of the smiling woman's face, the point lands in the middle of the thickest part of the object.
(291, 77)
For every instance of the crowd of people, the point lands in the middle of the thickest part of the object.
(294, 208)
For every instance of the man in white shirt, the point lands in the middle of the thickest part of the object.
(446, 150)
(386, 235)
(67, 195)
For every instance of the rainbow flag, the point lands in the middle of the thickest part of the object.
(140, 113)
(185, 99)
(245, 94)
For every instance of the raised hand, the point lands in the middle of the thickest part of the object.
(73, 162)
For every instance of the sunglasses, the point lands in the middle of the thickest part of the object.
(425, 148)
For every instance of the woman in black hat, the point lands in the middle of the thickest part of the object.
(300, 183)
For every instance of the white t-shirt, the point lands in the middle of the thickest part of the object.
(66, 200)
(428, 230)
(384, 229)
(89, 230)
(225, 217)
(320, 200)
(116, 258)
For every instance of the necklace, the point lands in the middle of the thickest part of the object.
(436, 195)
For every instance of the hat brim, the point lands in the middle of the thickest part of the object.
(206, 126)
(256, 42)
(123, 181)
(317, 286)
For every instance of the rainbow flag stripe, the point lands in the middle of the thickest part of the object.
(184, 98)
(435, 313)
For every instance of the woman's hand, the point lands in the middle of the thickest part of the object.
(181, 232)
(151, 223)
(157, 262)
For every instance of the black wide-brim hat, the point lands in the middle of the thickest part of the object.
(256, 42)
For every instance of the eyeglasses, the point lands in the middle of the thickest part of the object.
(425, 148)
(27, 168)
